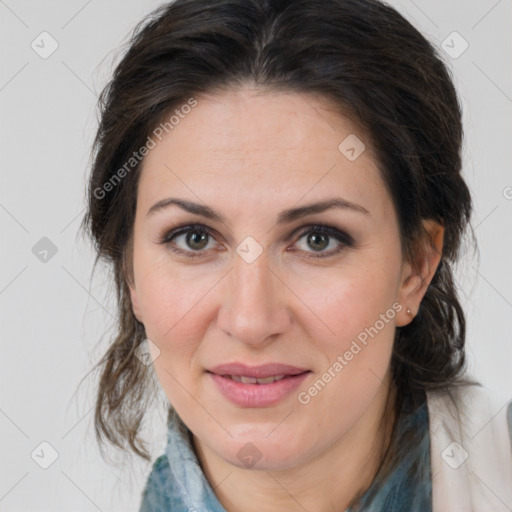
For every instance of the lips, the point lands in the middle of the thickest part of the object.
(257, 386)
(260, 372)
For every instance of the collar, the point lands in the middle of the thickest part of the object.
(189, 485)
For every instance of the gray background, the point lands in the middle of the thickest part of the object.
(56, 320)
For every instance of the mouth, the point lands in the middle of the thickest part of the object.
(253, 380)
(257, 386)
(260, 372)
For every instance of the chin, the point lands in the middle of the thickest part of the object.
(255, 451)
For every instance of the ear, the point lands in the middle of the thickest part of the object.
(416, 279)
(135, 303)
(130, 279)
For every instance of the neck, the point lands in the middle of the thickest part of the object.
(326, 483)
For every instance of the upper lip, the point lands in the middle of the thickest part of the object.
(259, 372)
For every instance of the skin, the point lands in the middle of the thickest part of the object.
(249, 154)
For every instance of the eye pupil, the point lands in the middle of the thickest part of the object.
(202, 237)
(315, 238)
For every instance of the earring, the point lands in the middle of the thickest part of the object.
(409, 312)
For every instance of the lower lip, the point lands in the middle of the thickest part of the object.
(257, 395)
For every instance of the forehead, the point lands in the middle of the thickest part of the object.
(258, 142)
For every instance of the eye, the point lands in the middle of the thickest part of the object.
(319, 237)
(195, 239)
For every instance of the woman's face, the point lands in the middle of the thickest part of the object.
(265, 285)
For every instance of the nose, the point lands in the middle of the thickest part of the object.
(254, 309)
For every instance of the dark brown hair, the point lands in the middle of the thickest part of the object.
(374, 66)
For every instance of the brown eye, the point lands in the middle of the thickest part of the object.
(318, 241)
(196, 239)
(193, 240)
(319, 237)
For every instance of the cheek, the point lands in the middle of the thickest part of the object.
(174, 312)
(172, 319)
(353, 326)
(165, 292)
(357, 348)
(159, 303)
(342, 304)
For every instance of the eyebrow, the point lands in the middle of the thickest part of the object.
(286, 216)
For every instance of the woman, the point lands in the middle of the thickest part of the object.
(278, 187)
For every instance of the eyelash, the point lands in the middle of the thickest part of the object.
(344, 239)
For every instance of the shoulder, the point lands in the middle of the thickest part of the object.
(471, 448)
(471, 410)
(470, 404)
